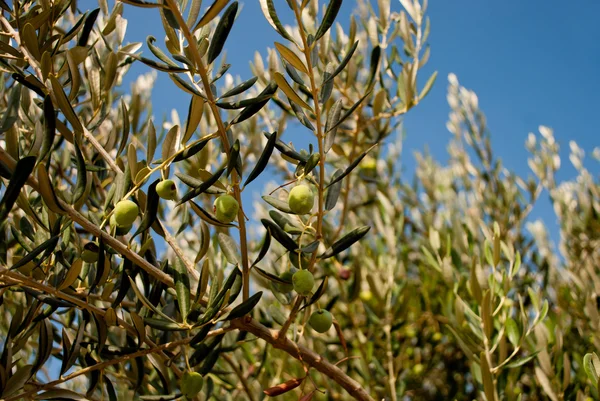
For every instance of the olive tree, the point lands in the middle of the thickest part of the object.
(132, 267)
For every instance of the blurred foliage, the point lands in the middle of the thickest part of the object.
(441, 286)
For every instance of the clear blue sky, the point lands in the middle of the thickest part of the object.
(532, 62)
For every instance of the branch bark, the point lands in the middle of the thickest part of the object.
(305, 355)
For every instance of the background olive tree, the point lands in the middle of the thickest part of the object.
(439, 288)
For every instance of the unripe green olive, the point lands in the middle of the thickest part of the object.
(119, 230)
(320, 321)
(368, 166)
(89, 256)
(418, 369)
(287, 276)
(301, 199)
(304, 282)
(191, 384)
(90, 253)
(226, 208)
(166, 189)
(125, 213)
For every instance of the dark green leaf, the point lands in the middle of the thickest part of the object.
(318, 294)
(152, 202)
(191, 151)
(375, 60)
(182, 287)
(328, 19)
(270, 11)
(221, 32)
(81, 174)
(49, 128)
(348, 113)
(240, 88)
(201, 335)
(345, 242)
(245, 307)
(333, 191)
(269, 276)
(288, 151)
(264, 248)
(208, 217)
(263, 160)
(348, 170)
(126, 127)
(202, 188)
(19, 177)
(49, 244)
(87, 27)
(234, 160)
(164, 325)
(344, 62)
(280, 235)
(251, 110)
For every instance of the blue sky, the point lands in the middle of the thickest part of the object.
(531, 63)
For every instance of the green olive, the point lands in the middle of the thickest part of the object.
(226, 208)
(119, 230)
(125, 213)
(368, 166)
(89, 254)
(287, 276)
(320, 321)
(304, 282)
(167, 189)
(301, 199)
(191, 384)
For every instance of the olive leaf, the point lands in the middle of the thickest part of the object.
(345, 242)
(182, 287)
(19, 177)
(328, 19)
(263, 160)
(245, 307)
(221, 32)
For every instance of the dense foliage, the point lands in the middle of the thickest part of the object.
(131, 268)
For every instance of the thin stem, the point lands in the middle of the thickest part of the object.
(240, 375)
(305, 355)
(306, 50)
(210, 99)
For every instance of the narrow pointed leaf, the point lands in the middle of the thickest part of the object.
(344, 62)
(182, 287)
(23, 170)
(328, 19)
(280, 235)
(345, 242)
(241, 88)
(49, 128)
(245, 307)
(333, 191)
(152, 202)
(268, 9)
(202, 188)
(264, 248)
(263, 160)
(289, 91)
(221, 32)
(212, 12)
(349, 169)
